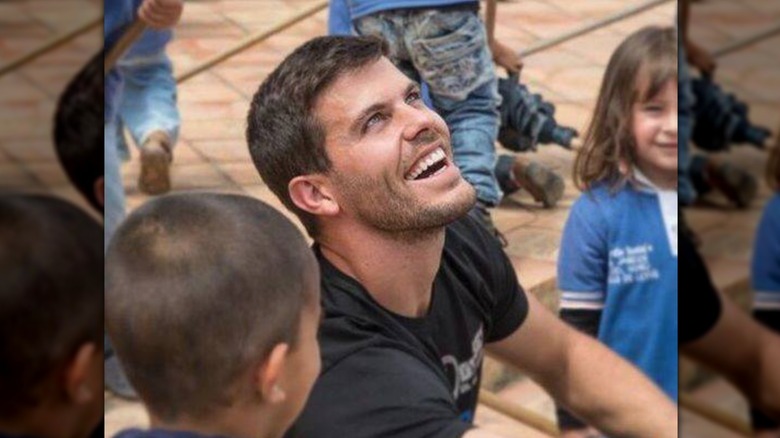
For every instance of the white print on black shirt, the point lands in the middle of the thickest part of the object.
(466, 373)
(631, 264)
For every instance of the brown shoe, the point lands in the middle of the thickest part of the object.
(542, 183)
(739, 187)
(156, 157)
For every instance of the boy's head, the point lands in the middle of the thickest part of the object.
(212, 303)
(78, 131)
(51, 318)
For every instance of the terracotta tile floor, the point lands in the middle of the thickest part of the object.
(212, 154)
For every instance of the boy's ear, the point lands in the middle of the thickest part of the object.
(313, 194)
(100, 187)
(269, 375)
(78, 383)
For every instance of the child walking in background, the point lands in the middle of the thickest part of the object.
(148, 109)
(765, 274)
(617, 268)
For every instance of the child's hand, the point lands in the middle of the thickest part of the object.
(161, 14)
(506, 57)
(701, 59)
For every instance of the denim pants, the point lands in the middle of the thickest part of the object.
(448, 50)
(114, 192)
(149, 98)
(685, 121)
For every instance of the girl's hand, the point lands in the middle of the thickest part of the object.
(161, 14)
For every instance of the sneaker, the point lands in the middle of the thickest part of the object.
(115, 379)
(542, 183)
(481, 214)
(739, 187)
(156, 158)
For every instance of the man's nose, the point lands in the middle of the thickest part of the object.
(419, 124)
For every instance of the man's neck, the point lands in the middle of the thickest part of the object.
(398, 272)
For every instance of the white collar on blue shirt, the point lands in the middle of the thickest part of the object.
(668, 202)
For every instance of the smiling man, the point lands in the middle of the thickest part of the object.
(413, 290)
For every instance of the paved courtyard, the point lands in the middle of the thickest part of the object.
(212, 154)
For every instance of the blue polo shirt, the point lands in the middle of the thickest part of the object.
(619, 255)
(765, 265)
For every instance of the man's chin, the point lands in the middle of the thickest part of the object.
(463, 201)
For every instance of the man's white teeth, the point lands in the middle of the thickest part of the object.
(425, 163)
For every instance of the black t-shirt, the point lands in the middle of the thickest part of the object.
(700, 305)
(385, 375)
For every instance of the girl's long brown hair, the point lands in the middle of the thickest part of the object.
(648, 57)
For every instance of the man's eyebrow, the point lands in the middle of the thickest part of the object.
(357, 125)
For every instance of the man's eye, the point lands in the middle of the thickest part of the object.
(413, 97)
(373, 120)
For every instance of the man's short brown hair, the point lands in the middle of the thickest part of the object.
(285, 138)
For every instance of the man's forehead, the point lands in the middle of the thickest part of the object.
(351, 92)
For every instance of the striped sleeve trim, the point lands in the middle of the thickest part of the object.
(766, 300)
(582, 300)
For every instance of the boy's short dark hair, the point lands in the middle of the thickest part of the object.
(285, 139)
(199, 288)
(51, 294)
(78, 129)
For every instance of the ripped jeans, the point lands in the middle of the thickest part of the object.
(448, 50)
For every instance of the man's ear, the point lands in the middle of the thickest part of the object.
(78, 383)
(268, 375)
(99, 187)
(312, 194)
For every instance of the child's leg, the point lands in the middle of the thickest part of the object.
(449, 49)
(114, 191)
(149, 100)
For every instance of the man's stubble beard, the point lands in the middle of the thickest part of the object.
(398, 214)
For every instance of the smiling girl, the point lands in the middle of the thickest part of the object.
(617, 267)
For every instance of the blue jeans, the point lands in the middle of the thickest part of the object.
(448, 50)
(149, 98)
(114, 190)
(685, 120)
